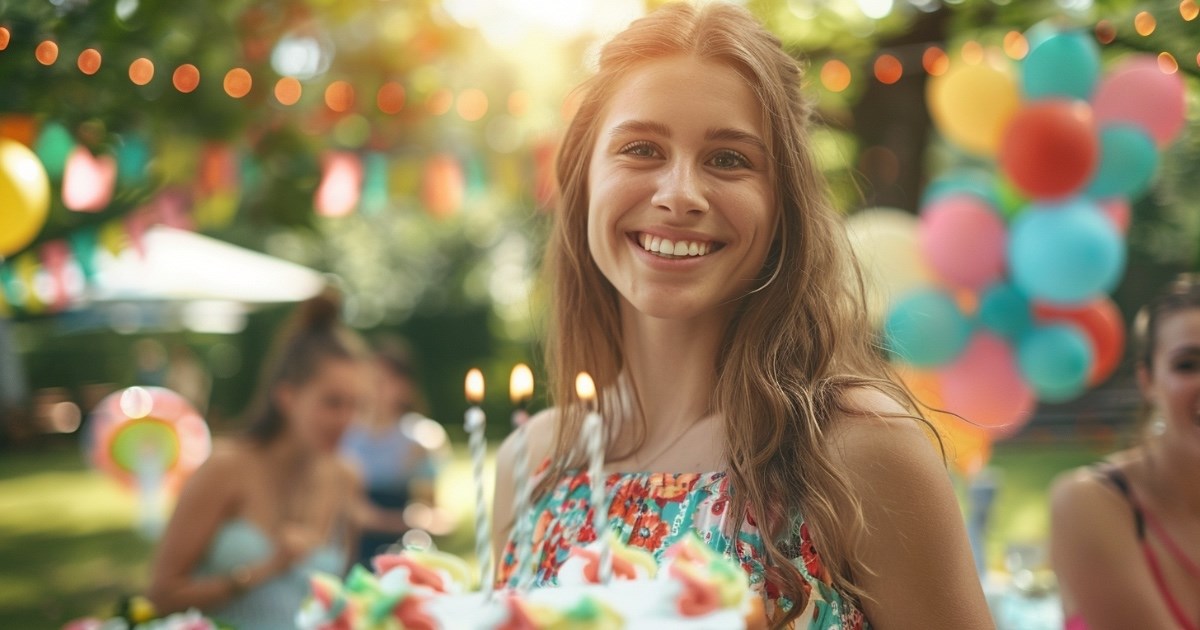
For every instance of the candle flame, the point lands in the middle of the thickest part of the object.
(585, 388)
(520, 384)
(474, 386)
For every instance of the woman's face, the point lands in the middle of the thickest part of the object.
(395, 393)
(1173, 383)
(682, 211)
(320, 410)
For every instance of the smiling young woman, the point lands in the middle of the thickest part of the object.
(701, 275)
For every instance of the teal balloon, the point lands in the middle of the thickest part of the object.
(249, 171)
(1006, 311)
(83, 247)
(971, 181)
(133, 155)
(1064, 65)
(1128, 159)
(477, 177)
(1055, 360)
(11, 286)
(375, 184)
(1065, 254)
(926, 329)
(52, 147)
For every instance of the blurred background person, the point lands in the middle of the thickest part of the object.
(269, 507)
(1124, 532)
(395, 447)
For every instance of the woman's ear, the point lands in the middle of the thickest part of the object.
(284, 397)
(1145, 381)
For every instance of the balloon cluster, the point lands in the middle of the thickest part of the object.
(1012, 305)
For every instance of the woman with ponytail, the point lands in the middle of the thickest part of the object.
(700, 274)
(268, 508)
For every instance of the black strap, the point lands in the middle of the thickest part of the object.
(1113, 475)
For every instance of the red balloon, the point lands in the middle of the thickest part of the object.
(1102, 323)
(1050, 149)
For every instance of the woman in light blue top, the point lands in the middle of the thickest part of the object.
(269, 508)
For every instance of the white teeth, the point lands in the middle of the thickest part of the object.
(667, 247)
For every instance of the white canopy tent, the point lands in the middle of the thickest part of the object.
(181, 279)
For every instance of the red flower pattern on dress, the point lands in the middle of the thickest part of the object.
(627, 502)
(812, 560)
(648, 532)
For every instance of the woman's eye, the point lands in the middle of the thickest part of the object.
(730, 159)
(1186, 366)
(638, 149)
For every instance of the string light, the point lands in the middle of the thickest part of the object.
(935, 61)
(4, 37)
(1015, 45)
(390, 98)
(339, 96)
(186, 78)
(835, 75)
(972, 53)
(288, 91)
(141, 71)
(888, 69)
(1188, 10)
(472, 104)
(89, 61)
(238, 82)
(1144, 23)
(1167, 63)
(46, 53)
(440, 102)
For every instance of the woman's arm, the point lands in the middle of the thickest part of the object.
(921, 572)
(207, 500)
(1094, 551)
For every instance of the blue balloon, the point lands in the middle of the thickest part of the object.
(1128, 159)
(926, 329)
(970, 181)
(1064, 65)
(1003, 309)
(1056, 361)
(1065, 254)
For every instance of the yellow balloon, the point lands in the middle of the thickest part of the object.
(24, 196)
(885, 243)
(972, 104)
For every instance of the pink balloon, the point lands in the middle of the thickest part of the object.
(963, 240)
(1138, 92)
(1117, 210)
(984, 385)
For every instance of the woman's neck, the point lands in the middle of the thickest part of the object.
(1172, 473)
(671, 364)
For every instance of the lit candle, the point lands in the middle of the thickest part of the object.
(474, 422)
(593, 428)
(520, 390)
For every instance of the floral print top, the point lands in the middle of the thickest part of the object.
(654, 510)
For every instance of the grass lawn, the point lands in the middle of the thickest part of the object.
(69, 547)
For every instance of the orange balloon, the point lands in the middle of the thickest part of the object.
(968, 447)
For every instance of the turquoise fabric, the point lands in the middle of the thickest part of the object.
(273, 604)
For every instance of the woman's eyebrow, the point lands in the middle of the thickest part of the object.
(641, 126)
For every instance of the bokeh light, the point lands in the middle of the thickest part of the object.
(339, 96)
(238, 82)
(46, 53)
(141, 71)
(89, 61)
(935, 61)
(186, 78)
(4, 37)
(1144, 23)
(518, 103)
(1105, 32)
(390, 98)
(888, 69)
(972, 52)
(472, 104)
(440, 102)
(1015, 45)
(835, 75)
(288, 90)
(1167, 63)
(1188, 10)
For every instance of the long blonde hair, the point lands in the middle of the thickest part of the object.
(793, 348)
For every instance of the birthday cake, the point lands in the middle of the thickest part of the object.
(427, 590)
